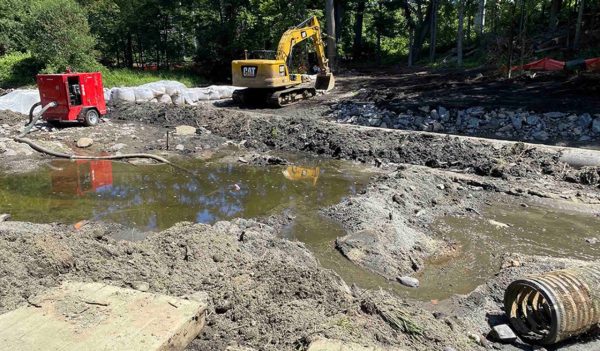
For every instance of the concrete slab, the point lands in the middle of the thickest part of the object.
(94, 316)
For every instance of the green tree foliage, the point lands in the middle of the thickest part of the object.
(12, 29)
(205, 35)
(59, 36)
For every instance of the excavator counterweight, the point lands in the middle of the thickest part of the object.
(270, 81)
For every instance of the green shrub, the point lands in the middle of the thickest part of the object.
(17, 69)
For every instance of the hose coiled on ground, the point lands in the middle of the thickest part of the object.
(33, 118)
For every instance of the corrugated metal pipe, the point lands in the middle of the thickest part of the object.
(551, 307)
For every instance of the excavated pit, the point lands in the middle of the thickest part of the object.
(146, 199)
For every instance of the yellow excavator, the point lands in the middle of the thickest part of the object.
(268, 79)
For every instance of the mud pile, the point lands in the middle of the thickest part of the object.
(387, 225)
(378, 146)
(264, 292)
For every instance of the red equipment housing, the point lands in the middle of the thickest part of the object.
(80, 96)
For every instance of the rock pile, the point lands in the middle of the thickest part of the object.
(499, 123)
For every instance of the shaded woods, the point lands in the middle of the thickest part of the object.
(160, 34)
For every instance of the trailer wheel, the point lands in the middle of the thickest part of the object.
(91, 118)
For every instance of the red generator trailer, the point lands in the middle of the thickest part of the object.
(79, 97)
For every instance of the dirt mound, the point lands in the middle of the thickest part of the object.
(355, 143)
(263, 292)
(546, 92)
(387, 225)
(10, 117)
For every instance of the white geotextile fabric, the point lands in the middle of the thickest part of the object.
(19, 100)
(164, 92)
(167, 91)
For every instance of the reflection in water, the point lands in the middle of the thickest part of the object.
(81, 177)
(156, 197)
(297, 173)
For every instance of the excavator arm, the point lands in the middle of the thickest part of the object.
(305, 30)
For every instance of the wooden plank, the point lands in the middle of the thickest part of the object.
(94, 316)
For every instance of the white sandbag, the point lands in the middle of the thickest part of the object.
(123, 95)
(154, 101)
(156, 86)
(143, 94)
(107, 95)
(169, 87)
(20, 100)
(187, 97)
(165, 99)
(202, 96)
(198, 94)
(178, 100)
(224, 91)
(214, 95)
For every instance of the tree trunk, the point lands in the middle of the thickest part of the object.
(522, 30)
(480, 18)
(331, 44)
(494, 15)
(555, 7)
(459, 35)
(411, 39)
(140, 50)
(378, 33)
(578, 27)
(433, 30)
(340, 10)
(468, 28)
(129, 51)
(358, 28)
(510, 39)
(420, 29)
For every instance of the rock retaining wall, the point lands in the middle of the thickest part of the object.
(497, 123)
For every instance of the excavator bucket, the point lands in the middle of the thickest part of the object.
(325, 82)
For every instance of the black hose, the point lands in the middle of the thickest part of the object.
(33, 120)
(31, 112)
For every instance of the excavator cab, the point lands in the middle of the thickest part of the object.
(269, 80)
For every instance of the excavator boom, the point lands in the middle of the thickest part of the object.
(271, 80)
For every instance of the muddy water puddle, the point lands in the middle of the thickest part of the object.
(504, 227)
(152, 198)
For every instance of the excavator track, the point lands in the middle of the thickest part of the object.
(274, 98)
(291, 96)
